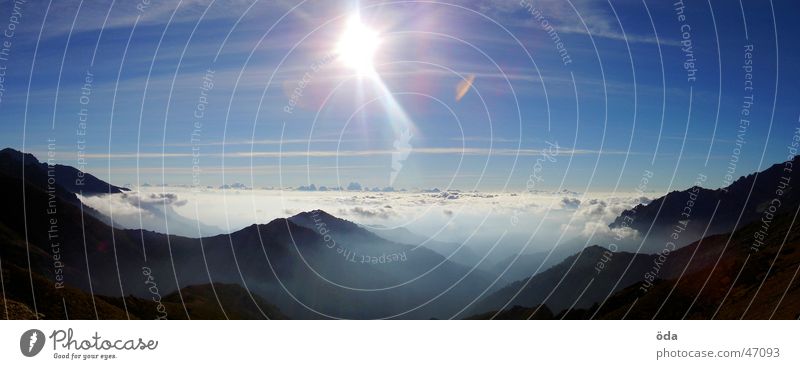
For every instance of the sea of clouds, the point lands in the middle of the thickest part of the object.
(514, 222)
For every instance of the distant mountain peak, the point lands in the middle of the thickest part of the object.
(69, 178)
(319, 218)
(13, 154)
(318, 212)
(595, 249)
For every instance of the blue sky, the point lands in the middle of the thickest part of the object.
(617, 120)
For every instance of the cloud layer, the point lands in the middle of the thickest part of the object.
(517, 221)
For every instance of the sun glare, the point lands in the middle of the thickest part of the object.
(357, 46)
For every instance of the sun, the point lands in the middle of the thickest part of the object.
(357, 46)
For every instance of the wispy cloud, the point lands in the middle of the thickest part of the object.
(583, 17)
(92, 16)
(296, 141)
(348, 153)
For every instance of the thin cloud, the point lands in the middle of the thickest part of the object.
(345, 153)
(126, 14)
(599, 19)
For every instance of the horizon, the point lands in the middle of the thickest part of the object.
(366, 187)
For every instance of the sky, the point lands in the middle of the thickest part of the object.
(487, 95)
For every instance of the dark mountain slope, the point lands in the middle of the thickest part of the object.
(67, 254)
(749, 196)
(71, 180)
(678, 277)
(23, 286)
(528, 263)
(15, 310)
(517, 313)
(578, 281)
(747, 283)
(200, 301)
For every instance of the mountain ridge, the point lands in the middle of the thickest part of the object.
(736, 205)
(12, 163)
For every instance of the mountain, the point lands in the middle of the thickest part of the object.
(521, 266)
(26, 292)
(201, 302)
(746, 282)
(344, 272)
(43, 300)
(59, 261)
(454, 251)
(517, 312)
(15, 310)
(726, 276)
(60, 182)
(416, 274)
(340, 270)
(577, 282)
(45, 272)
(745, 198)
(70, 179)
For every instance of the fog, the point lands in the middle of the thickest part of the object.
(506, 223)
